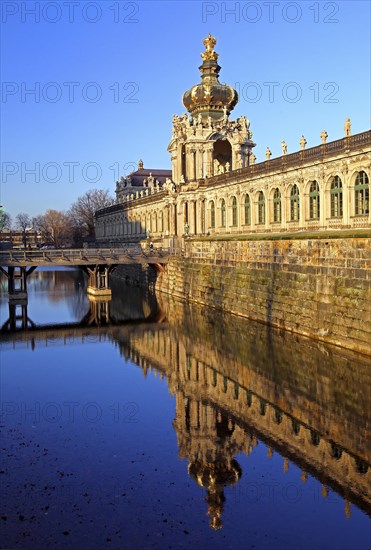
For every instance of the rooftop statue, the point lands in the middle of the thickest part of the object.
(323, 136)
(302, 142)
(169, 186)
(347, 127)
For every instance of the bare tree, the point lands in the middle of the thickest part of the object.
(23, 221)
(82, 211)
(56, 227)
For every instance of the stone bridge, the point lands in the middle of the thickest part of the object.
(97, 263)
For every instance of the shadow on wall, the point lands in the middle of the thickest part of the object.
(143, 276)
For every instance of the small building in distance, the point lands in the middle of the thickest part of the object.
(20, 239)
(140, 183)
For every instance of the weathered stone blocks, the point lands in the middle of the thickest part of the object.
(319, 288)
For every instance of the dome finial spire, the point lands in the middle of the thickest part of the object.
(209, 54)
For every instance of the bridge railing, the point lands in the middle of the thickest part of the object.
(73, 255)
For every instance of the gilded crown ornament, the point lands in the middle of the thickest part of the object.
(210, 99)
(209, 43)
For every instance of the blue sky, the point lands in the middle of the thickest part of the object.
(109, 76)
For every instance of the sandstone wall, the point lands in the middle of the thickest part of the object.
(318, 288)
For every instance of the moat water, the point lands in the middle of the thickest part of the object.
(147, 423)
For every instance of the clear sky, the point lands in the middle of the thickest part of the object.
(107, 77)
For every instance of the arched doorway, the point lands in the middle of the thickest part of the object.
(222, 156)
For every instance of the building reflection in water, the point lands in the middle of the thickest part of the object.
(237, 382)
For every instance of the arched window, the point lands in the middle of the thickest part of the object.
(294, 203)
(336, 193)
(277, 207)
(314, 204)
(184, 162)
(186, 212)
(247, 210)
(315, 438)
(261, 207)
(222, 213)
(212, 214)
(361, 194)
(234, 211)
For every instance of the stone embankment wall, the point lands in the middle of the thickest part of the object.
(136, 275)
(318, 288)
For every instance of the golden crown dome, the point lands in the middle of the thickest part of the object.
(210, 97)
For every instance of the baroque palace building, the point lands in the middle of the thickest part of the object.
(216, 187)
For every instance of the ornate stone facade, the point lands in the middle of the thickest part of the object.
(216, 186)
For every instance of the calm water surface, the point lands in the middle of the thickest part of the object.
(145, 423)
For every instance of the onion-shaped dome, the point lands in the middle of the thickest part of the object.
(210, 98)
(222, 473)
(214, 477)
